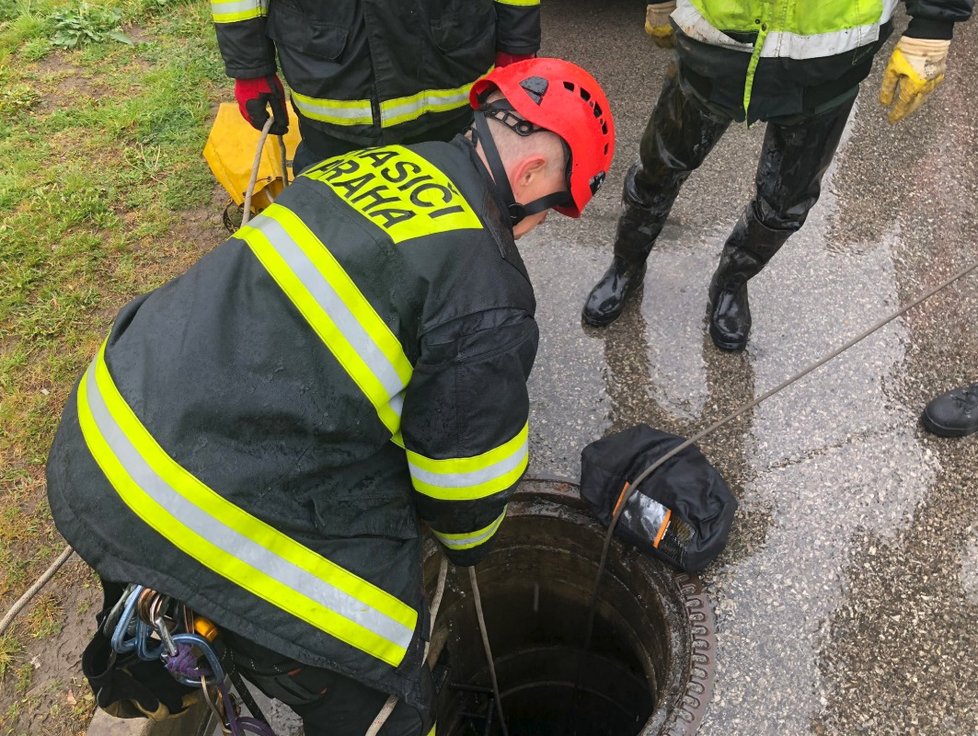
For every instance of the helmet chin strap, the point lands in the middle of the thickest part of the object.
(517, 211)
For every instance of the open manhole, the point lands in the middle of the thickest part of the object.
(651, 662)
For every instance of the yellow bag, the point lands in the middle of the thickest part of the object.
(230, 152)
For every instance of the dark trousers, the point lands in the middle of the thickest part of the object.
(329, 704)
(681, 133)
(317, 145)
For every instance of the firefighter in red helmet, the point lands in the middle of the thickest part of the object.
(263, 437)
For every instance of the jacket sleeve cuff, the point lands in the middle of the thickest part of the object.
(468, 557)
(251, 72)
(928, 28)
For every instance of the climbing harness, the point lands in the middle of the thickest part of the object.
(156, 627)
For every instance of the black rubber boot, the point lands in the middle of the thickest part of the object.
(953, 414)
(678, 136)
(750, 246)
(608, 296)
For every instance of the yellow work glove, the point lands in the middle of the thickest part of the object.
(915, 69)
(657, 24)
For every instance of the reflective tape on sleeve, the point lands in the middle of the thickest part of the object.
(227, 539)
(231, 11)
(471, 478)
(334, 307)
(519, 3)
(468, 540)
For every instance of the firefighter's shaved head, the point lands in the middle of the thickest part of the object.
(536, 164)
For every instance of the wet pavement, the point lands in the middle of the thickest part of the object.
(847, 599)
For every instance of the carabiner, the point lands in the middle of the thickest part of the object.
(216, 675)
(120, 644)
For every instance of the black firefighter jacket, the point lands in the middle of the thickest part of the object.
(259, 437)
(375, 71)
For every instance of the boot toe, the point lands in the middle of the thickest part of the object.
(600, 310)
(954, 414)
(607, 299)
(730, 320)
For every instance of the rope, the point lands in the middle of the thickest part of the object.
(485, 643)
(33, 590)
(385, 712)
(630, 489)
(250, 191)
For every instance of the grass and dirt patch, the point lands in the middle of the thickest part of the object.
(104, 110)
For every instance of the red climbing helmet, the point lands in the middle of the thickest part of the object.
(563, 98)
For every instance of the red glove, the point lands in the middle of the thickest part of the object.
(253, 96)
(504, 59)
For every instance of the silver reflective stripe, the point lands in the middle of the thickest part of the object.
(214, 531)
(234, 6)
(338, 112)
(471, 478)
(321, 290)
(403, 109)
(238, 10)
(781, 44)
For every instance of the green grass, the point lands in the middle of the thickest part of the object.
(101, 144)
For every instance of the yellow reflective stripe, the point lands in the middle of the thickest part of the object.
(411, 107)
(336, 112)
(475, 462)
(385, 398)
(432, 731)
(468, 540)
(230, 11)
(227, 539)
(519, 3)
(346, 288)
(392, 112)
(470, 478)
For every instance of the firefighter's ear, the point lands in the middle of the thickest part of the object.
(533, 177)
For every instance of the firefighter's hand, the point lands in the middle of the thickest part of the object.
(657, 24)
(255, 95)
(914, 71)
(504, 59)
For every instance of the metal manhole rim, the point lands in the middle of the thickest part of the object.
(686, 714)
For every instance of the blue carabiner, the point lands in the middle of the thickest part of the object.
(120, 644)
(213, 661)
(143, 633)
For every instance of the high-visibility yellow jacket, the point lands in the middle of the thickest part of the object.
(259, 437)
(375, 71)
(773, 58)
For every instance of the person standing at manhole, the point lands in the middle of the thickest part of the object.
(259, 437)
(368, 72)
(795, 65)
